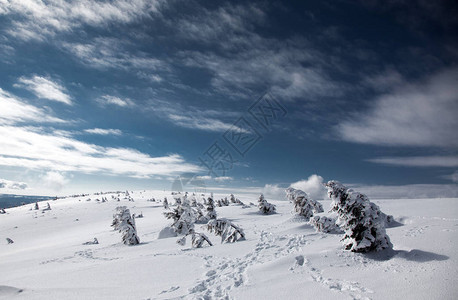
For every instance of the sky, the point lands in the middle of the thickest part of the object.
(237, 95)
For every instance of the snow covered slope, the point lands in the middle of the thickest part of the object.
(282, 258)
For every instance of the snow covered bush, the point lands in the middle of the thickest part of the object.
(325, 224)
(124, 223)
(265, 207)
(228, 231)
(303, 204)
(362, 220)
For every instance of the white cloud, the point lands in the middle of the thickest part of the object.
(420, 114)
(291, 68)
(200, 122)
(35, 19)
(45, 88)
(106, 53)
(223, 178)
(313, 186)
(13, 185)
(274, 192)
(418, 161)
(101, 131)
(31, 148)
(113, 100)
(14, 111)
(408, 191)
(54, 180)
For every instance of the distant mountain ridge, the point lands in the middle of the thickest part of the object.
(11, 200)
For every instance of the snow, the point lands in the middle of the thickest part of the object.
(282, 257)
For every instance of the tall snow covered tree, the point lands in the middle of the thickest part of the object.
(303, 204)
(125, 223)
(362, 220)
(265, 207)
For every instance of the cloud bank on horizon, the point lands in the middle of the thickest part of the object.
(131, 93)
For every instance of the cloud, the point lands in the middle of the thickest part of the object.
(113, 100)
(101, 131)
(291, 68)
(313, 186)
(36, 20)
(14, 185)
(54, 180)
(32, 148)
(412, 191)
(223, 178)
(418, 161)
(45, 88)
(273, 191)
(108, 53)
(419, 114)
(200, 122)
(14, 111)
(41, 148)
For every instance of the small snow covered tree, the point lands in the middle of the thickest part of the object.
(197, 239)
(36, 206)
(228, 231)
(265, 207)
(362, 220)
(166, 203)
(2, 211)
(303, 204)
(183, 217)
(232, 198)
(10, 241)
(211, 212)
(193, 201)
(126, 225)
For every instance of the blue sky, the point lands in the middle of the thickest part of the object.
(100, 95)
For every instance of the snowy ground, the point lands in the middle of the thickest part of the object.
(282, 257)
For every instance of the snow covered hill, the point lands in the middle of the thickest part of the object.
(282, 257)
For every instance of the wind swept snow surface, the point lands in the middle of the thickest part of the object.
(282, 256)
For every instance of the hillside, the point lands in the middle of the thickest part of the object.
(282, 256)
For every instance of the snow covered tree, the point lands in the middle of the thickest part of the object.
(228, 231)
(362, 220)
(211, 212)
(36, 206)
(232, 198)
(2, 211)
(166, 203)
(325, 224)
(265, 207)
(303, 204)
(183, 217)
(10, 241)
(197, 239)
(125, 224)
(117, 217)
(193, 201)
